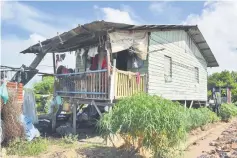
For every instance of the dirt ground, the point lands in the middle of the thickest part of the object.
(220, 142)
(215, 141)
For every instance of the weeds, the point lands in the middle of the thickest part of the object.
(25, 148)
(227, 111)
(66, 141)
(154, 122)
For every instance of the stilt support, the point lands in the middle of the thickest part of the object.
(96, 107)
(74, 118)
(191, 105)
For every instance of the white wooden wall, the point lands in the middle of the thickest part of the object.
(185, 57)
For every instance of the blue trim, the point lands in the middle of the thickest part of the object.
(80, 92)
(79, 73)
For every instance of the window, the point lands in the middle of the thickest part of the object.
(168, 69)
(197, 74)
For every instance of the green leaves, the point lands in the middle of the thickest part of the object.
(225, 78)
(160, 123)
(45, 86)
(227, 111)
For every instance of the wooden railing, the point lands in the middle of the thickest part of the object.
(96, 84)
(128, 83)
(86, 85)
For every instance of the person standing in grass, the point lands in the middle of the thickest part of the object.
(217, 99)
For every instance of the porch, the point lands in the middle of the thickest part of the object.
(97, 85)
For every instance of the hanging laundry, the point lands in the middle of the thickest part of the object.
(58, 59)
(65, 70)
(94, 64)
(93, 51)
(104, 63)
(62, 57)
(82, 51)
(138, 77)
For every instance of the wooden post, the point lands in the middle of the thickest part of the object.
(96, 107)
(112, 81)
(54, 116)
(191, 105)
(185, 104)
(74, 118)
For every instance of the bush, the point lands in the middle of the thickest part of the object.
(22, 147)
(227, 111)
(156, 123)
(200, 117)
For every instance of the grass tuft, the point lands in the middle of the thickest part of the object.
(22, 147)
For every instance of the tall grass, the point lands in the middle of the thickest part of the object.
(227, 111)
(156, 123)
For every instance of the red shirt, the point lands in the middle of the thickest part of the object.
(104, 64)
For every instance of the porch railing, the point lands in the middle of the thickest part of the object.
(86, 85)
(128, 83)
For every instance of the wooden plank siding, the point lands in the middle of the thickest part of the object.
(185, 57)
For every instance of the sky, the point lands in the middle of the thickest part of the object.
(25, 23)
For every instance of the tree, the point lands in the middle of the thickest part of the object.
(45, 86)
(225, 78)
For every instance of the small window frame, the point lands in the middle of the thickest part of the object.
(196, 74)
(168, 78)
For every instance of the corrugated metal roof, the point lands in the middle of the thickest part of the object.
(88, 34)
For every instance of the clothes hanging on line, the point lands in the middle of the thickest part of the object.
(138, 77)
(93, 51)
(134, 62)
(82, 51)
(104, 63)
(94, 63)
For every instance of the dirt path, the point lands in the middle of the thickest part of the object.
(218, 142)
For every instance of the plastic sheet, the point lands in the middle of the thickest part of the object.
(30, 131)
(4, 92)
(29, 105)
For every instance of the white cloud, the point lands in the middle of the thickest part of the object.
(218, 24)
(39, 25)
(124, 15)
(158, 7)
(166, 11)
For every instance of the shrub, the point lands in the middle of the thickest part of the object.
(22, 147)
(227, 111)
(200, 117)
(156, 123)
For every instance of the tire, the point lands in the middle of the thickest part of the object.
(2, 135)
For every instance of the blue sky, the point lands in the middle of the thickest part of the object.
(25, 23)
(175, 13)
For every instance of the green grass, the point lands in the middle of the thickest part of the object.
(22, 147)
(160, 124)
(68, 141)
(227, 111)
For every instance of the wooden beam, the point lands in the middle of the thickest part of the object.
(191, 105)
(112, 82)
(74, 123)
(201, 42)
(96, 107)
(54, 65)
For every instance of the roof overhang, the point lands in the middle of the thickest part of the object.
(89, 34)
